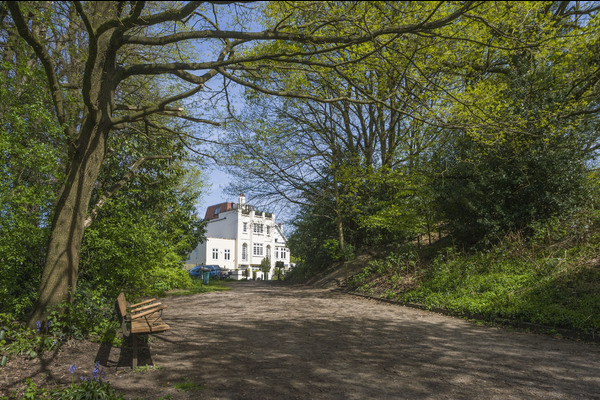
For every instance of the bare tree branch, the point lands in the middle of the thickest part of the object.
(422, 26)
(157, 108)
(134, 18)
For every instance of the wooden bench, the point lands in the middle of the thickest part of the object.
(140, 318)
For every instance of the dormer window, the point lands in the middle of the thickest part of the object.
(217, 211)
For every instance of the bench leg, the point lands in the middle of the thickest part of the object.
(134, 351)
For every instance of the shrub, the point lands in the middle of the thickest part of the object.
(90, 315)
(510, 186)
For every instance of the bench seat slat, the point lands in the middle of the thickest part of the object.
(149, 324)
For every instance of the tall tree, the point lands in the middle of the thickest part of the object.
(363, 150)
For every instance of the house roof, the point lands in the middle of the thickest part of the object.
(212, 212)
(280, 230)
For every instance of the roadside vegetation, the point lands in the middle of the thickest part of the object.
(554, 284)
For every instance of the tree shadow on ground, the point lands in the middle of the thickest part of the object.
(262, 341)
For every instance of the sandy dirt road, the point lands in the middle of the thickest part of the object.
(266, 341)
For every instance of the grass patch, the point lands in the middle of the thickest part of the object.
(187, 385)
(197, 286)
(146, 368)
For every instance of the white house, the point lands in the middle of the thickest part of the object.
(238, 238)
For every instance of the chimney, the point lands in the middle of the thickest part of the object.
(242, 199)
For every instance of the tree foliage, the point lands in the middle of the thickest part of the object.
(521, 150)
(508, 190)
(142, 233)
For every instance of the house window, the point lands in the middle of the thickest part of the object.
(215, 254)
(244, 251)
(217, 211)
(227, 254)
(276, 252)
(258, 249)
(283, 253)
(268, 230)
(245, 227)
(258, 228)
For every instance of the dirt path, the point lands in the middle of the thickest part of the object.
(264, 341)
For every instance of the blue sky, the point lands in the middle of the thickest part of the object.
(218, 180)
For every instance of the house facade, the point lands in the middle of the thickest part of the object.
(238, 238)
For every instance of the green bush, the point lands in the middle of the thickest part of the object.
(30, 154)
(301, 272)
(166, 279)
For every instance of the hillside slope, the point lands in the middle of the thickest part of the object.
(334, 277)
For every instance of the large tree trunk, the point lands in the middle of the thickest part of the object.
(59, 278)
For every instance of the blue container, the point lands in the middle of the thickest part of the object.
(206, 277)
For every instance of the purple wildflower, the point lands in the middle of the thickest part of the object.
(38, 325)
(72, 369)
(96, 370)
(98, 373)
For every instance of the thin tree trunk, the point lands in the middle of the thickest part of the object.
(340, 227)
